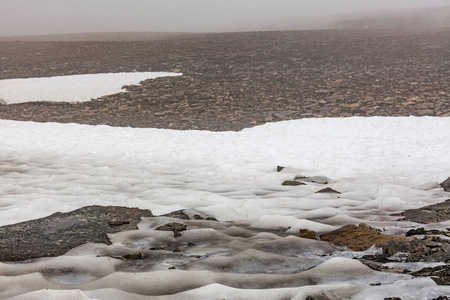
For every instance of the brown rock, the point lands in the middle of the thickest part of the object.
(358, 238)
(308, 234)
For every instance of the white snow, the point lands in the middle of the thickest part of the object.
(72, 88)
(381, 165)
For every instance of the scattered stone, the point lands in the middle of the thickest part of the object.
(313, 179)
(328, 190)
(173, 226)
(118, 223)
(137, 255)
(60, 232)
(440, 274)
(321, 296)
(422, 231)
(279, 168)
(215, 97)
(446, 185)
(428, 249)
(429, 214)
(293, 183)
(178, 214)
(418, 231)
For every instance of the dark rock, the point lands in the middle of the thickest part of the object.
(418, 231)
(318, 297)
(433, 213)
(58, 233)
(446, 185)
(132, 256)
(179, 214)
(279, 168)
(313, 179)
(428, 249)
(440, 274)
(173, 226)
(328, 190)
(293, 183)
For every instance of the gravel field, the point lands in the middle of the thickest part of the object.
(236, 80)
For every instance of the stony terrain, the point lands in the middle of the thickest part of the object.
(237, 80)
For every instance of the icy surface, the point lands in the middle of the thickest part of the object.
(72, 88)
(379, 165)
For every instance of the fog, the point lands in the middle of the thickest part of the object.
(32, 17)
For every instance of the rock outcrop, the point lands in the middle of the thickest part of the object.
(58, 233)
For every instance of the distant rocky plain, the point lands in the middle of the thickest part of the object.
(233, 81)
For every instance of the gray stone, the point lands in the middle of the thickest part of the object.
(60, 232)
(433, 213)
(446, 185)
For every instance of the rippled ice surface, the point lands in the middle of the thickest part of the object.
(380, 165)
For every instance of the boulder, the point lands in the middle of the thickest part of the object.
(60, 232)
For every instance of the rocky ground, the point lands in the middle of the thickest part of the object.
(236, 80)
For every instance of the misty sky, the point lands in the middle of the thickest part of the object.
(30, 17)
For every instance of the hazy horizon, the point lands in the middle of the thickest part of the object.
(39, 17)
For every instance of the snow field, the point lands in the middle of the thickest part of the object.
(380, 165)
(72, 88)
